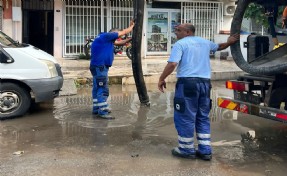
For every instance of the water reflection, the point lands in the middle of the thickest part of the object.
(133, 121)
(74, 112)
(141, 123)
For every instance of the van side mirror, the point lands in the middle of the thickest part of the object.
(4, 58)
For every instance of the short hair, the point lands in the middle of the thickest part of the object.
(190, 27)
(114, 30)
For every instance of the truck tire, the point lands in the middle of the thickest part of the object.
(14, 100)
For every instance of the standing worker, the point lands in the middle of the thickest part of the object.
(190, 54)
(102, 57)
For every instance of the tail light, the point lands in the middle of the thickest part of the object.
(281, 116)
(237, 85)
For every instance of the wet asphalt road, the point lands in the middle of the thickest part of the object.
(62, 138)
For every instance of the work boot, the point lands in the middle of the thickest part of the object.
(108, 110)
(206, 157)
(176, 152)
(105, 116)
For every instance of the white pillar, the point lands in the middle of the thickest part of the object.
(17, 20)
(58, 28)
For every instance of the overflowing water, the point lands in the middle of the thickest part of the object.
(242, 143)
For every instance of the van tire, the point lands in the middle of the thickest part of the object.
(15, 93)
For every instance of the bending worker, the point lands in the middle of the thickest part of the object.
(102, 57)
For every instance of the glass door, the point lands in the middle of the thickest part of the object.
(160, 30)
(174, 21)
(157, 32)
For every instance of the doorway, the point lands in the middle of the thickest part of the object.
(38, 29)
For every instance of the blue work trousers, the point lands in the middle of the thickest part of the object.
(100, 90)
(191, 109)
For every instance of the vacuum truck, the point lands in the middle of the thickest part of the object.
(262, 91)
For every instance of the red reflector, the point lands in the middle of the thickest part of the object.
(243, 108)
(281, 116)
(237, 85)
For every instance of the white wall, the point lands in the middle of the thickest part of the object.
(227, 19)
(13, 29)
(227, 23)
(17, 20)
(58, 28)
(7, 27)
(221, 38)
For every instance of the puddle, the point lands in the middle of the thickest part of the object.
(65, 127)
(75, 112)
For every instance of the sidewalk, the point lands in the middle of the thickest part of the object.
(121, 71)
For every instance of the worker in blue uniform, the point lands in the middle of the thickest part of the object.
(190, 54)
(102, 57)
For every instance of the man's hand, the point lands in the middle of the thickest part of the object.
(127, 30)
(132, 22)
(161, 86)
(230, 41)
(129, 39)
(233, 39)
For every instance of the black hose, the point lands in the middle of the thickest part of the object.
(136, 52)
(236, 50)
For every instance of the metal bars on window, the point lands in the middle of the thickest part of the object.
(121, 13)
(83, 19)
(90, 17)
(207, 17)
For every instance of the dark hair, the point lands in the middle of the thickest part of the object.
(190, 27)
(114, 30)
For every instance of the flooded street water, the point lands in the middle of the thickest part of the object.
(63, 138)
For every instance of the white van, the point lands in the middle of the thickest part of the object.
(26, 74)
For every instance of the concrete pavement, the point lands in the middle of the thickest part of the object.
(121, 71)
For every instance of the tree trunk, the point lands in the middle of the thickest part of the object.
(136, 51)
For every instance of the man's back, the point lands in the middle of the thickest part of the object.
(102, 49)
(192, 54)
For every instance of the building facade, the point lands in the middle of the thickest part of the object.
(60, 27)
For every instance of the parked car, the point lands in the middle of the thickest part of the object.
(27, 74)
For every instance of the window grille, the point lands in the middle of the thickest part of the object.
(207, 17)
(88, 18)
(121, 13)
(83, 19)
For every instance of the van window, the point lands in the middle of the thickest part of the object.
(5, 40)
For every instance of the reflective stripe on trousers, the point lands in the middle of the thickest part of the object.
(191, 110)
(100, 90)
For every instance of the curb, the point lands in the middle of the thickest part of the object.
(153, 78)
